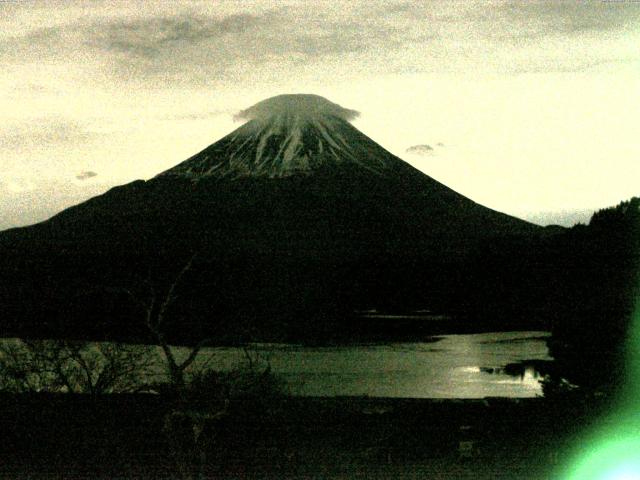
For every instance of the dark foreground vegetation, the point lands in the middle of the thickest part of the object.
(582, 283)
(125, 436)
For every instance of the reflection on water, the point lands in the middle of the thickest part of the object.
(454, 366)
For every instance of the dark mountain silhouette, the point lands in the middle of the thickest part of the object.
(295, 219)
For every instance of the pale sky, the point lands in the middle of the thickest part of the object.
(531, 108)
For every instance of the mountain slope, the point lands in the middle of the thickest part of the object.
(296, 217)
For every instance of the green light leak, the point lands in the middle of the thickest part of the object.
(630, 397)
(611, 460)
(612, 450)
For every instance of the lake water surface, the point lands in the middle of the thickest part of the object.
(451, 366)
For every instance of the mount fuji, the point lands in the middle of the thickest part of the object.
(289, 135)
(293, 220)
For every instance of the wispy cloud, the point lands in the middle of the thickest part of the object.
(190, 45)
(187, 47)
(551, 17)
(182, 45)
(43, 131)
(422, 149)
(152, 37)
(86, 175)
(515, 18)
(425, 149)
(198, 115)
(514, 36)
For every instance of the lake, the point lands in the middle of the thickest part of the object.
(449, 366)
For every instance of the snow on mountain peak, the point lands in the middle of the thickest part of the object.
(288, 135)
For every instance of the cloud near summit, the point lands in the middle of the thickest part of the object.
(299, 104)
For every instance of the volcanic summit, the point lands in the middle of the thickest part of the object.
(293, 219)
(288, 135)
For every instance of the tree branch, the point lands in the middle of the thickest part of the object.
(194, 353)
(170, 296)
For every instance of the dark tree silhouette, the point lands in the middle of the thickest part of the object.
(596, 291)
(75, 367)
(154, 308)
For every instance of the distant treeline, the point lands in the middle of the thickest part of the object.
(582, 283)
(597, 293)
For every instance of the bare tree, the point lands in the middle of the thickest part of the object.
(155, 305)
(182, 425)
(74, 367)
(186, 421)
